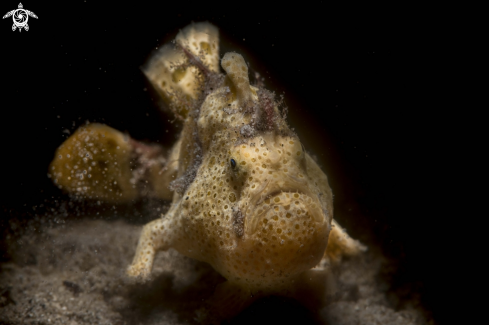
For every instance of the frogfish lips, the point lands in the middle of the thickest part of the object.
(289, 230)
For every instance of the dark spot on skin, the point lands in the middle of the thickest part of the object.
(102, 164)
(111, 144)
(115, 187)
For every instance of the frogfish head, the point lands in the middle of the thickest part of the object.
(273, 210)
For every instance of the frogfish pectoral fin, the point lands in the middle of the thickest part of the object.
(341, 244)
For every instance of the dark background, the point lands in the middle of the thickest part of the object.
(357, 89)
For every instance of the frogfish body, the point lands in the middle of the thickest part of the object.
(245, 196)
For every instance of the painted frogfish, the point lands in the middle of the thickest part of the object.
(245, 195)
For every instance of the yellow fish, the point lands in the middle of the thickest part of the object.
(245, 195)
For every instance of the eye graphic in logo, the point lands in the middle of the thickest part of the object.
(20, 17)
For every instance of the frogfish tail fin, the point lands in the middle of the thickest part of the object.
(175, 70)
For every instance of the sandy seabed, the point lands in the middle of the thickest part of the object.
(73, 274)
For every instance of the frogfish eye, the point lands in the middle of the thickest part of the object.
(233, 163)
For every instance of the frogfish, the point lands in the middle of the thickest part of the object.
(245, 195)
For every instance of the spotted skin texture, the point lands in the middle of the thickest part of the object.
(85, 157)
(100, 163)
(246, 197)
(258, 208)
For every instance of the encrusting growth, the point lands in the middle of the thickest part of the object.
(246, 197)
